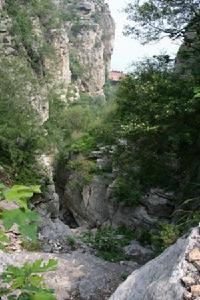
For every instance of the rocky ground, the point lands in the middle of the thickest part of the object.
(80, 275)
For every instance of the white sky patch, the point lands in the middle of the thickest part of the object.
(128, 50)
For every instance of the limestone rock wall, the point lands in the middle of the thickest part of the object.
(91, 34)
(70, 46)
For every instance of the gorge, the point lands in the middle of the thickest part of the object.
(103, 178)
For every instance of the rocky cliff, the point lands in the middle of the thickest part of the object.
(66, 45)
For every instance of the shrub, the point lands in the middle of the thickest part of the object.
(84, 144)
(24, 280)
(127, 191)
(166, 235)
(71, 241)
(19, 145)
(84, 170)
(109, 242)
(76, 68)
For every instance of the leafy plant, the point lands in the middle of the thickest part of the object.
(4, 240)
(26, 219)
(127, 191)
(71, 241)
(109, 242)
(166, 235)
(27, 280)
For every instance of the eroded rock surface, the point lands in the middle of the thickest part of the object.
(161, 278)
(80, 276)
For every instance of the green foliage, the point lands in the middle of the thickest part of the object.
(127, 191)
(21, 144)
(71, 241)
(109, 242)
(20, 194)
(24, 279)
(26, 219)
(28, 281)
(4, 240)
(84, 144)
(31, 245)
(76, 68)
(166, 235)
(84, 170)
(149, 20)
(158, 112)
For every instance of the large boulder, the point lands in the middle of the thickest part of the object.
(158, 202)
(162, 278)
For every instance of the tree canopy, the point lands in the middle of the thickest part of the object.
(151, 20)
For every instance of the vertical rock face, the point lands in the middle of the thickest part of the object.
(71, 41)
(91, 30)
(2, 2)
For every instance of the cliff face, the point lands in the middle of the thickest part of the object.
(90, 28)
(60, 44)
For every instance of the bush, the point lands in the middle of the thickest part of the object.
(76, 68)
(84, 170)
(109, 242)
(166, 235)
(127, 191)
(22, 138)
(84, 144)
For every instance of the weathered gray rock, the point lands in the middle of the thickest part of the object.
(54, 230)
(90, 206)
(95, 205)
(79, 276)
(130, 216)
(137, 252)
(160, 279)
(158, 202)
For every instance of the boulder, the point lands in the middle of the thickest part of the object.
(53, 235)
(158, 203)
(137, 252)
(133, 217)
(161, 278)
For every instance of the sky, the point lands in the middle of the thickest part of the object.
(128, 50)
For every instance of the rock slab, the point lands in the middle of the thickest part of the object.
(161, 278)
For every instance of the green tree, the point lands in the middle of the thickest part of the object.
(153, 19)
(22, 137)
(159, 115)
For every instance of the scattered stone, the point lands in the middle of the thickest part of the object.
(194, 255)
(187, 295)
(195, 290)
(188, 281)
(53, 236)
(197, 265)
